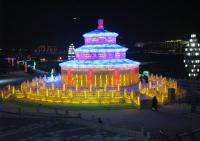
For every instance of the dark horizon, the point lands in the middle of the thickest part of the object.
(27, 24)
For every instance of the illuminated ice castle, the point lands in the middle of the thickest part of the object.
(99, 74)
(100, 63)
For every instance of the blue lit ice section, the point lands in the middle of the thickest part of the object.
(52, 78)
(111, 63)
(101, 48)
(100, 32)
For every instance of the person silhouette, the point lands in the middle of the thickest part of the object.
(99, 120)
(154, 103)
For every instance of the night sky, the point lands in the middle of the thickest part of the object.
(29, 23)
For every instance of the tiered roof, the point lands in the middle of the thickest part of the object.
(100, 51)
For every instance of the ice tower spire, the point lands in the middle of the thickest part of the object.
(100, 24)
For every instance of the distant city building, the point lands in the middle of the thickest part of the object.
(71, 52)
(176, 46)
(45, 49)
(154, 46)
(192, 57)
(139, 44)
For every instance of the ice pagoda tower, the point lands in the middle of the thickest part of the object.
(100, 64)
(192, 57)
(71, 52)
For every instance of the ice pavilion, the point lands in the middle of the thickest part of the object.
(100, 63)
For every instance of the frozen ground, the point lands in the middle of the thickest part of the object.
(27, 129)
(172, 119)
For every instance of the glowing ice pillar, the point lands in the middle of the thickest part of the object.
(95, 80)
(25, 67)
(85, 95)
(118, 87)
(125, 93)
(58, 93)
(140, 85)
(131, 94)
(116, 77)
(98, 94)
(100, 80)
(2, 96)
(150, 84)
(13, 89)
(9, 87)
(112, 94)
(71, 95)
(69, 76)
(105, 87)
(64, 87)
(52, 72)
(47, 92)
(138, 100)
(13, 62)
(34, 64)
(37, 92)
(30, 90)
(52, 86)
(90, 79)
